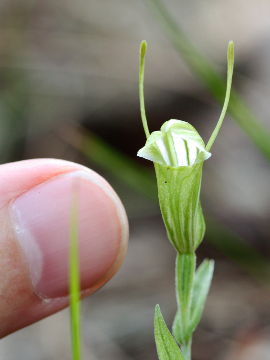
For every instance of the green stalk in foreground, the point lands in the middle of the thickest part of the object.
(74, 281)
(178, 153)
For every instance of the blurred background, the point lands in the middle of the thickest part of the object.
(68, 89)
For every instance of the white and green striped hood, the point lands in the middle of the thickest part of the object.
(177, 144)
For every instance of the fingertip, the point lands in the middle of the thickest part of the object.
(35, 200)
(41, 218)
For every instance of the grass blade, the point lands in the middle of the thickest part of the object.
(107, 157)
(74, 281)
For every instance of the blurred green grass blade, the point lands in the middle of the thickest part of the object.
(121, 165)
(108, 158)
(74, 282)
(233, 246)
(200, 66)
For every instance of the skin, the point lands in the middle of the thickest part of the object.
(33, 282)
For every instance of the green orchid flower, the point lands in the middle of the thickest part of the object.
(178, 153)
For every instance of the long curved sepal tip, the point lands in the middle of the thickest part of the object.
(143, 49)
(230, 65)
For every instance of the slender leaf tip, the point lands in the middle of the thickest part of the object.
(230, 65)
(210, 262)
(143, 48)
(157, 308)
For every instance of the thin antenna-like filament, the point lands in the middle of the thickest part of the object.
(143, 49)
(230, 60)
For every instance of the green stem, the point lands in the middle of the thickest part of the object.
(185, 271)
(186, 350)
(184, 278)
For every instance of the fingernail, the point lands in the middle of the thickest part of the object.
(41, 219)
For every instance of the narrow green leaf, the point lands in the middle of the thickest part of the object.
(202, 282)
(184, 277)
(143, 49)
(167, 347)
(74, 281)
